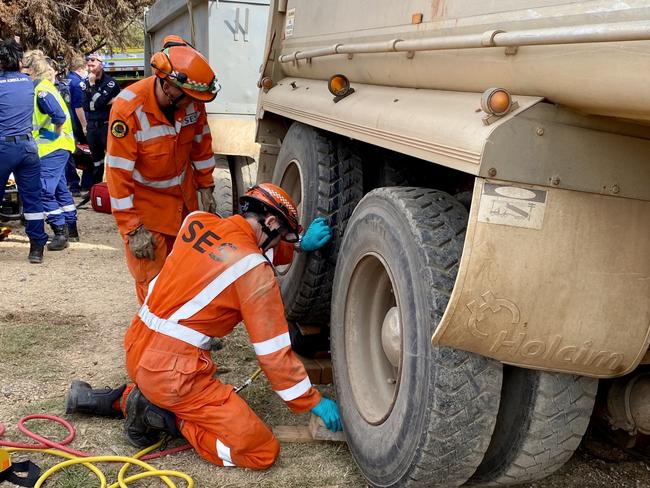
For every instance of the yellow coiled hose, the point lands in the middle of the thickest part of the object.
(122, 482)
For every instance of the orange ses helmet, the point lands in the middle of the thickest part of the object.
(278, 202)
(185, 67)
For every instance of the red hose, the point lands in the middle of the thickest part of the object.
(48, 444)
(44, 443)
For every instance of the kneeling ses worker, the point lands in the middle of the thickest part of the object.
(217, 275)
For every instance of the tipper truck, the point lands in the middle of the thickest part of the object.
(485, 168)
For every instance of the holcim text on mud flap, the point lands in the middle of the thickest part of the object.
(519, 344)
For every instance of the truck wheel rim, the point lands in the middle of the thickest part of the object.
(371, 315)
(292, 183)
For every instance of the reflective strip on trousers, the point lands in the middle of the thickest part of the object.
(69, 208)
(58, 211)
(34, 216)
(223, 452)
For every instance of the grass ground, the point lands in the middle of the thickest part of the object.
(65, 320)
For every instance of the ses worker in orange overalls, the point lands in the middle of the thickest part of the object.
(218, 274)
(159, 154)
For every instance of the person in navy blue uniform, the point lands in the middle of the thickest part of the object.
(18, 151)
(99, 91)
(75, 77)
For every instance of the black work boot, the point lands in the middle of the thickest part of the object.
(59, 241)
(145, 422)
(71, 232)
(81, 398)
(35, 252)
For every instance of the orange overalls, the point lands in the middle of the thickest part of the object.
(154, 169)
(215, 277)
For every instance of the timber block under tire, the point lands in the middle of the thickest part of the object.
(324, 176)
(412, 414)
(542, 418)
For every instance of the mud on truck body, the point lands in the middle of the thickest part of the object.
(488, 181)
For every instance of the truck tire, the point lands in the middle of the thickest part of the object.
(244, 175)
(541, 421)
(412, 414)
(223, 188)
(324, 177)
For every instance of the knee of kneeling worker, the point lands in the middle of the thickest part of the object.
(266, 455)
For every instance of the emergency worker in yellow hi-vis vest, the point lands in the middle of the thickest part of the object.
(52, 131)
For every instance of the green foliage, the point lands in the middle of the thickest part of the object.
(74, 26)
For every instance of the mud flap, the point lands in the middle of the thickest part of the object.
(553, 279)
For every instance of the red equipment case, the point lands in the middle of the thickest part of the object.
(99, 198)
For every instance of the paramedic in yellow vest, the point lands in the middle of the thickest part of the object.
(52, 131)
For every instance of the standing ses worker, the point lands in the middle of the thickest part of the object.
(99, 91)
(52, 130)
(217, 275)
(159, 154)
(18, 152)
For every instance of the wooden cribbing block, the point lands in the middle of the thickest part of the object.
(313, 369)
(318, 370)
(293, 433)
(325, 371)
(321, 433)
(315, 432)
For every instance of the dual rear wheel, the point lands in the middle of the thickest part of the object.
(413, 414)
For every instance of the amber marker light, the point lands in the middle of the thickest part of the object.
(339, 86)
(496, 101)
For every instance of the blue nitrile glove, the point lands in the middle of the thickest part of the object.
(328, 411)
(48, 134)
(318, 234)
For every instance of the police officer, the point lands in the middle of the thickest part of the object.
(18, 152)
(99, 91)
(75, 77)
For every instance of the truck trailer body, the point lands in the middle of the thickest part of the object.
(484, 166)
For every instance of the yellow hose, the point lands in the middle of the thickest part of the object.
(121, 481)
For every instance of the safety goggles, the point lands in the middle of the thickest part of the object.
(288, 235)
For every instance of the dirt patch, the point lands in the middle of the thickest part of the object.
(65, 319)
